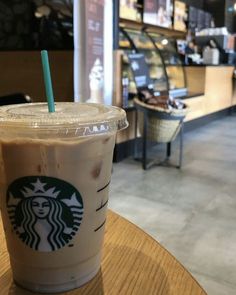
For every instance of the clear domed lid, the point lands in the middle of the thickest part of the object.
(77, 119)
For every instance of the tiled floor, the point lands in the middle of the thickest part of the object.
(192, 212)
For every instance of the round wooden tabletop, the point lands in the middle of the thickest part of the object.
(133, 263)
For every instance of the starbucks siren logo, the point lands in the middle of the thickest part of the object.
(45, 212)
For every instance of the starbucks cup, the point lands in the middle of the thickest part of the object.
(55, 171)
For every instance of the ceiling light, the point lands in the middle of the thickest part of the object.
(164, 42)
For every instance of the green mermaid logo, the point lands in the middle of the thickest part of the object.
(45, 212)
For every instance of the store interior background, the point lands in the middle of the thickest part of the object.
(190, 211)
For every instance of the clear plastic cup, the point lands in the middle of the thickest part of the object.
(55, 170)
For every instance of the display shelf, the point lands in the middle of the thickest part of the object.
(173, 65)
(154, 65)
(143, 44)
(124, 23)
(169, 53)
(163, 61)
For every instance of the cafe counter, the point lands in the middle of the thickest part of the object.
(214, 84)
(210, 92)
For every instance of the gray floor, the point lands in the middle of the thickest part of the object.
(192, 212)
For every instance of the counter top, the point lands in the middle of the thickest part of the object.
(133, 263)
(219, 65)
(191, 94)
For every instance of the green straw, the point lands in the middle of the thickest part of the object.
(47, 81)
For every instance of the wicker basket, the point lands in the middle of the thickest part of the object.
(162, 125)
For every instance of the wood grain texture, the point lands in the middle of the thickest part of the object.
(196, 108)
(133, 263)
(117, 89)
(22, 72)
(176, 76)
(218, 87)
(195, 79)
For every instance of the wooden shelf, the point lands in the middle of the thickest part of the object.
(124, 23)
(154, 65)
(173, 65)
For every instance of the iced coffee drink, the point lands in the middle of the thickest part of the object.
(55, 175)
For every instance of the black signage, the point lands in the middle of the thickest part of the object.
(201, 20)
(140, 70)
(207, 20)
(192, 18)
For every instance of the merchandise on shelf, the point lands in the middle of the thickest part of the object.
(129, 9)
(180, 16)
(158, 12)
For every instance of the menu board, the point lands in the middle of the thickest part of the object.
(208, 19)
(158, 12)
(140, 70)
(180, 16)
(200, 19)
(150, 12)
(192, 18)
(129, 10)
(94, 15)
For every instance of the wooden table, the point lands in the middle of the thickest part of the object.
(133, 263)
